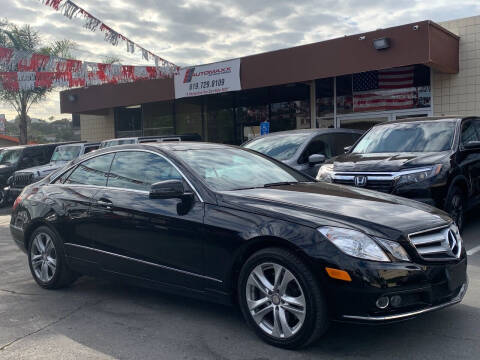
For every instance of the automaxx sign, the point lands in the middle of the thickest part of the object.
(208, 79)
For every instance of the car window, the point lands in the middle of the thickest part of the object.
(138, 170)
(9, 157)
(280, 147)
(470, 131)
(66, 153)
(237, 168)
(91, 172)
(340, 141)
(33, 156)
(424, 136)
(318, 145)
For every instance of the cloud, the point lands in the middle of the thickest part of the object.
(191, 32)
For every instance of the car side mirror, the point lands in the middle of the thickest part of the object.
(315, 159)
(167, 189)
(472, 145)
(347, 149)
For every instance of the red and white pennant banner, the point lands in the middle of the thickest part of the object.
(72, 10)
(20, 70)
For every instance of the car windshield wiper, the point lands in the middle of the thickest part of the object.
(280, 183)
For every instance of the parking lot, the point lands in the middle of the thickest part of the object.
(95, 319)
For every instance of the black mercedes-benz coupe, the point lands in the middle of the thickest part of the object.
(233, 226)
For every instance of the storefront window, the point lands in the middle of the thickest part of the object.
(188, 116)
(399, 88)
(252, 109)
(325, 108)
(128, 121)
(220, 117)
(158, 118)
(289, 107)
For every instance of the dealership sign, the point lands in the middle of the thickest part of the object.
(208, 79)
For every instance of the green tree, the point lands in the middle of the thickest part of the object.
(27, 39)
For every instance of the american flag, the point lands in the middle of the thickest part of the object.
(389, 89)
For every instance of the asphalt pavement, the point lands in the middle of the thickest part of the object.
(96, 319)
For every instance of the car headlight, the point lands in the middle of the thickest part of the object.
(418, 175)
(325, 173)
(394, 248)
(354, 243)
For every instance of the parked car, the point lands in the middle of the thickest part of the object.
(231, 225)
(305, 149)
(147, 139)
(60, 157)
(436, 161)
(22, 157)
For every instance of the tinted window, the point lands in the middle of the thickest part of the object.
(340, 141)
(34, 156)
(319, 145)
(66, 153)
(8, 157)
(428, 136)
(138, 170)
(470, 131)
(280, 147)
(233, 168)
(92, 172)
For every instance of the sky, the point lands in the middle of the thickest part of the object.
(189, 32)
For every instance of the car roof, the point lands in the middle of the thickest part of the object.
(425, 119)
(187, 145)
(315, 131)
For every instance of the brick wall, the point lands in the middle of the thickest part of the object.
(97, 127)
(459, 94)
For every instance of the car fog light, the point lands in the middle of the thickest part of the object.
(382, 302)
(396, 300)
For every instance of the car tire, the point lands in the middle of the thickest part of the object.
(455, 205)
(46, 258)
(3, 199)
(294, 313)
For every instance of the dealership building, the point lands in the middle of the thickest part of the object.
(418, 69)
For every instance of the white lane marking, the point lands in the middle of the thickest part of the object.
(473, 250)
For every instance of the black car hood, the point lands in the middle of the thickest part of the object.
(322, 204)
(386, 161)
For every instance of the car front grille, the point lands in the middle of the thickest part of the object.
(437, 244)
(385, 186)
(22, 180)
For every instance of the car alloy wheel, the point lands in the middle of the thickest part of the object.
(43, 257)
(275, 300)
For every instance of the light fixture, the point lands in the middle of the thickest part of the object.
(72, 98)
(381, 43)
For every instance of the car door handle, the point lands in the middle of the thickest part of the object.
(105, 203)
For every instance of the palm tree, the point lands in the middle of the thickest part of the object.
(27, 39)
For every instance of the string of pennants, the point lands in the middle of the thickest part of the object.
(21, 70)
(71, 10)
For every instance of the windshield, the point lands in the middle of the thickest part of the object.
(280, 147)
(65, 153)
(10, 156)
(234, 169)
(432, 136)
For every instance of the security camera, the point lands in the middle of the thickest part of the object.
(415, 27)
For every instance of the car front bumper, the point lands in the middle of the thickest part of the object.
(411, 288)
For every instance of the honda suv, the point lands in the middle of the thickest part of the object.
(432, 160)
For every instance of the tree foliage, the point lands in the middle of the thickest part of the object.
(27, 39)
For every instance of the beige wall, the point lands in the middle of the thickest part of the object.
(97, 127)
(459, 94)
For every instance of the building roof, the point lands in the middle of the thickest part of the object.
(423, 42)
